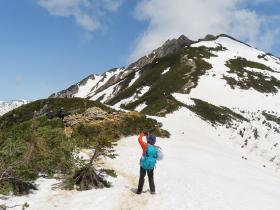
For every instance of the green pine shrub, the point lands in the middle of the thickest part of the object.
(37, 147)
(215, 114)
(249, 79)
(71, 106)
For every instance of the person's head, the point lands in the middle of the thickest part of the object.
(151, 139)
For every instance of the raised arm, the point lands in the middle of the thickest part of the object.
(141, 142)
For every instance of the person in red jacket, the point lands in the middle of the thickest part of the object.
(151, 140)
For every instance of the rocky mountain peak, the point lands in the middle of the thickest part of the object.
(169, 47)
(173, 45)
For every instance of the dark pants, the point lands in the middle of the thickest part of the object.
(142, 179)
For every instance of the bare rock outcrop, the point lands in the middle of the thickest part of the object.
(92, 114)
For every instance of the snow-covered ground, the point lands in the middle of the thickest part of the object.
(250, 103)
(85, 89)
(200, 171)
(214, 89)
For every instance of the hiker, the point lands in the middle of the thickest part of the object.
(61, 113)
(147, 161)
(50, 114)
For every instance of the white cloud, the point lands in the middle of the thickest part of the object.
(111, 5)
(87, 13)
(85, 21)
(171, 18)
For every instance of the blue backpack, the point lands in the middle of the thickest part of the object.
(148, 161)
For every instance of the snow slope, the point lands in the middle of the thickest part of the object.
(86, 88)
(250, 103)
(214, 89)
(92, 86)
(200, 171)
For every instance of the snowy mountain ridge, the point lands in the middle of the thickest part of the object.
(8, 106)
(106, 86)
(94, 85)
(227, 83)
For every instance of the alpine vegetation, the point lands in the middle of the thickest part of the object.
(44, 138)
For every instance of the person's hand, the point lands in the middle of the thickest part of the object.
(144, 132)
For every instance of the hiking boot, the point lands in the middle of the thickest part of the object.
(153, 193)
(138, 192)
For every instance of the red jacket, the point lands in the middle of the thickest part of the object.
(142, 143)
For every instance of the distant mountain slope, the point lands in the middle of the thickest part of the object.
(148, 85)
(8, 106)
(96, 85)
(223, 81)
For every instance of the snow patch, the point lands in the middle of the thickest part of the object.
(140, 107)
(184, 98)
(138, 94)
(136, 77)
(165, 71)
(107, 93)
(85, 89)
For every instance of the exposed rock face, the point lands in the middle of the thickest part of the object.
(68, 93)
(169, 47)
(188, 62)
(95, 115)
(172, 46)
(91, 115)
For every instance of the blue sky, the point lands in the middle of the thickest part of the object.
(47, 45)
